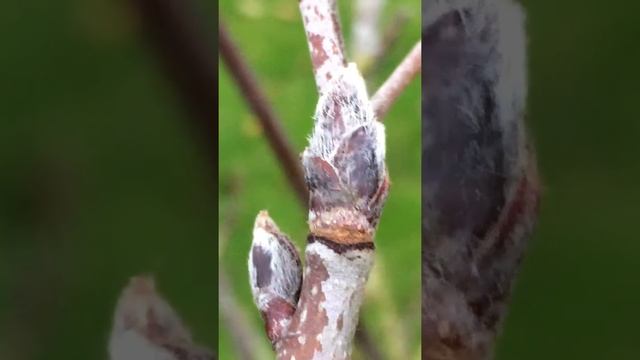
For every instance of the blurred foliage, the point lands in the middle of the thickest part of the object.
(271, 36)
(101, 178)
(577, 295)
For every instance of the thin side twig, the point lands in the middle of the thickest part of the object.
(397, 82)
(184, 47)
(256, 100)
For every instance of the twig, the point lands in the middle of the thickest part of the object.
(397, 82)
(299, 179)
(256, 100)
(186, 51)
(348, 191)
(324, 37)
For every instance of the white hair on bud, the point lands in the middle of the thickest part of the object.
(504, 21)
(274, 265)
(341, 109)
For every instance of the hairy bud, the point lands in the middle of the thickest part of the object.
(480, 187)
(145, 327)
(275, 275)
(344, 162)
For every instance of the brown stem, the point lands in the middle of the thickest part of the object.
(397, 82)
(347, 193)
(256, 100)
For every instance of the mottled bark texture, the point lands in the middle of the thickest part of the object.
(324, 37)
(145, 327)
(348, 183)
(480, 186)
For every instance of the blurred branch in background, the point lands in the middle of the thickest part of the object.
(256, 100)
(185, 48)
(397, 82)
(49, 205)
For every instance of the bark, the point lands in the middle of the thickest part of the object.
(347, 180)
(324, 37)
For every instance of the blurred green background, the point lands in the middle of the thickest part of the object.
(577, 295)
(101, 178)
(271, 36)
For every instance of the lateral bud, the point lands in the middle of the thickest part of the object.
(275, 274)
(146, 327)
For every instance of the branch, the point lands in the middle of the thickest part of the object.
(185, 49)
(324, 37)
(256, 100)
(479, 174)
(348, 183)
(146, 327)
(397, 82)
